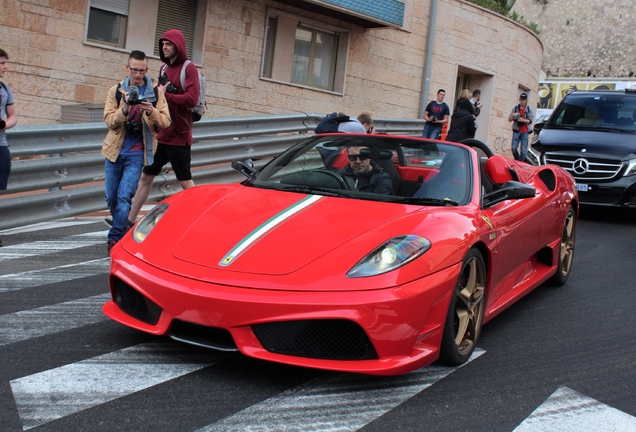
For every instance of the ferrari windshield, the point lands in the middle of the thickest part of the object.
(376, 167)
(600, 111)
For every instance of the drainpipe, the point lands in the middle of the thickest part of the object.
(428, 60)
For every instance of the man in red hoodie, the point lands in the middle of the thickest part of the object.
(175, 140)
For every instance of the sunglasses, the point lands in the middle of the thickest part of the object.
(353, 158)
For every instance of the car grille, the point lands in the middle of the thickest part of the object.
(136, 304)
(209, 337)
(322, 339)
(584, 168)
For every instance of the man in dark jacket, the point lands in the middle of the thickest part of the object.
(462, 122)
(175, 140)
(364, 175)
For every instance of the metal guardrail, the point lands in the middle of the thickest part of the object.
(58, 170)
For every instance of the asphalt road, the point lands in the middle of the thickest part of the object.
(560, 357)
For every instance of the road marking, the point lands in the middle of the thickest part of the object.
(34, 278)
(59, 392)
(336, 402)
(44, 247)
(46, 226)
(46, 320)
(567, 410)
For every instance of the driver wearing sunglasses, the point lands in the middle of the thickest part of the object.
(364, 175)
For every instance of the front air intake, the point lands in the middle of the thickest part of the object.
(335, 339)
(136, 304)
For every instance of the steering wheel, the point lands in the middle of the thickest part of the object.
(333, 174)
(476, 144)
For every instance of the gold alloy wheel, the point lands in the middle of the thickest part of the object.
(469, 305)
(566, 254)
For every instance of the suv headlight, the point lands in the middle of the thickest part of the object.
(631, 168)
(533, 156)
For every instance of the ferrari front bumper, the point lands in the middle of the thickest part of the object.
(402, 325)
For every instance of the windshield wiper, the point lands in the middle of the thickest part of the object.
(610, 129)
(317, 190)
(424, 200)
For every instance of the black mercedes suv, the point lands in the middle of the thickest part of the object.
(592, 135)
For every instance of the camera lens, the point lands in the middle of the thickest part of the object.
(3, 124)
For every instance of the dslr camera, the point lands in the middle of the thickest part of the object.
(3, 124)
(163, 80)
(133, 96)
(133, 128)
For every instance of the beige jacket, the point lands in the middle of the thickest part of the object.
(116, 122)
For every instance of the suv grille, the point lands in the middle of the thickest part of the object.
(335, 339)
(585, 168)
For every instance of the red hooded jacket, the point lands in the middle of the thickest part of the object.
(180, 130)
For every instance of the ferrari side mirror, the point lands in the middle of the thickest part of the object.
(245, 167)
(509, 190)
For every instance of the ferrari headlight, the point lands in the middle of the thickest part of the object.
(631, 168)
(391, 255)
(148, 222)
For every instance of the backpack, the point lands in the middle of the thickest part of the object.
(118, 95)
(201, 106)
(330, 123)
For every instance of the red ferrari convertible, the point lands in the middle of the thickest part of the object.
(375, 254)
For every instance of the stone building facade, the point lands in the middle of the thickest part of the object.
(582, 36)
(380, 70)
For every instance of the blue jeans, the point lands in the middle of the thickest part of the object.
(121, 178)
(518, 137)
(431, 130)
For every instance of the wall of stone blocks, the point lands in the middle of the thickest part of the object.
(581, 36)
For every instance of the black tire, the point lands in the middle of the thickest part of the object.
(466, 312)
(566, 251)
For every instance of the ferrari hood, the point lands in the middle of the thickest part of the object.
(270, 232)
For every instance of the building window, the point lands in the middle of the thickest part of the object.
(181, 15)
(107, 21)
(314, 57)
(301, 51)
(138, 24)
(270, 38)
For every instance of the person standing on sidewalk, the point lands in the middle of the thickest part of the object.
(8, 119)
(174, 141)
(521, 117)
(133, 112)
(436, 114)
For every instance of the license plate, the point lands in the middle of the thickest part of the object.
(582, 187)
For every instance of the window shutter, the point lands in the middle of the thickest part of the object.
(179, 15)
(119, 7)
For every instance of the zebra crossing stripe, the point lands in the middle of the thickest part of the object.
(342, 402)
(46, 320)
(34, 278)
(567, 410)
(46, 225)
(56, 393)
(25, 250)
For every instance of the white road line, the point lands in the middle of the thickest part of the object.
(59, 392)
(342, 402)
(45, 247)
(34, 278)
(47, 225)
(46, 320)
(569, 411)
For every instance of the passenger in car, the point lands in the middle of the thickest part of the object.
(364, 175)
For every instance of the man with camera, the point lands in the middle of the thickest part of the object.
(174, 141)
(521, 118)
(133, 112)
(436, 114)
